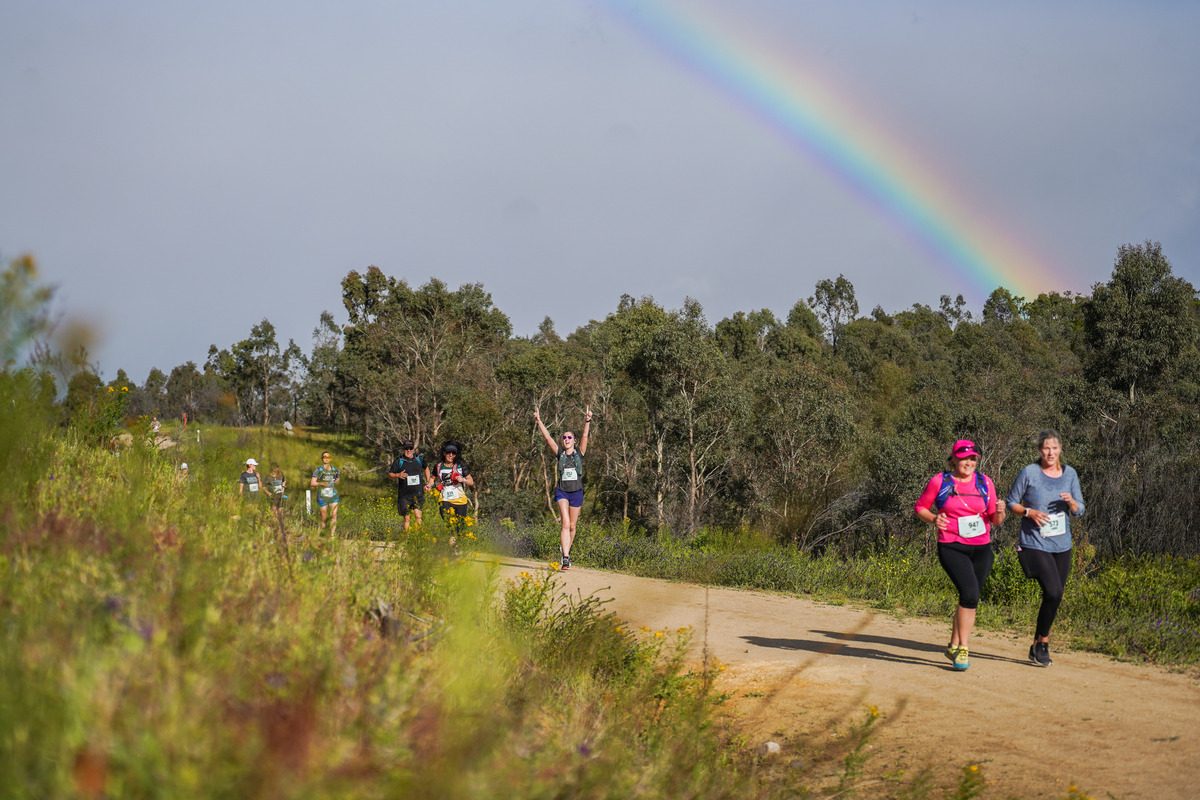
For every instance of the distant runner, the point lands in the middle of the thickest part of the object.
(1046, 494)
(276, 486)
(411, 476)
(325, 479)
(250, 482)
(962, 503)
(452, 477)
(568, 472)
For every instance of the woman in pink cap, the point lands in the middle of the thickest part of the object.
(962, 504)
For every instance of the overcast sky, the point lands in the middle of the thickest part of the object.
(182, 170)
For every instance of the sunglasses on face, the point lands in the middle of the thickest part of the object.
(568, 436)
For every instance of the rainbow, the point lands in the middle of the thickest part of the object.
(821, 121)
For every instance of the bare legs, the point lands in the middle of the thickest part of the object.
(964, 623)
(569, 516)
(330, 511)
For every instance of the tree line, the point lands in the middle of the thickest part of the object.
(820, 428)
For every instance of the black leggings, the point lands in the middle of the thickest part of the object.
(968, 566)
(1051, 571)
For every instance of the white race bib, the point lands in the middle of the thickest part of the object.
(570, 474)
(970, 527)
(326, 491)
(413, 480)
(1055, 525)
(451, 493)
(252, 487)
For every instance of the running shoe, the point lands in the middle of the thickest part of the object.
(961, 659)
(566, 563)
(1039, 653)
(951, 652)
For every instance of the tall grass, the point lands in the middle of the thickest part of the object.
(162, 639)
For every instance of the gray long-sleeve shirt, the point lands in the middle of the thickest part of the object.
(1037, 490)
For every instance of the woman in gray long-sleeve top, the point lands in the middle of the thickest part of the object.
(1046, 495)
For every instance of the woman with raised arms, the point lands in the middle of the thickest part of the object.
(568, 487)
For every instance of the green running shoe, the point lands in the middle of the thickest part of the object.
(962, 659)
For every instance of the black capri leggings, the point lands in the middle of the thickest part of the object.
(968, 566)
(1051, 571)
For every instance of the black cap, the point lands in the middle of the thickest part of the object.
(406, 445)
(449, 447)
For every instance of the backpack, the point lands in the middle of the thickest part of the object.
(576, 460)
(948, 489)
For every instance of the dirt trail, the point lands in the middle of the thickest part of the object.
(795, 666)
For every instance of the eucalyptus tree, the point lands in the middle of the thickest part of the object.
(421, 362)
(835, 305)
(262, 371)
(695, 405)
(800, 447)
(1141, 321)
(321, 386)
(190, 391)
(633, 451)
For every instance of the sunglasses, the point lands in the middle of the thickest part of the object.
(568, 436)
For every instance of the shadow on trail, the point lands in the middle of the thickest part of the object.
(909, 644)
(838, 649)
(841, 646)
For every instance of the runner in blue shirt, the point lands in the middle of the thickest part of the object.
(1046, 495)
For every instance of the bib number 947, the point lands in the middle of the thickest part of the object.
(971, 527)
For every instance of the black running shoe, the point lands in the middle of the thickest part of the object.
(566, 563)
(1039, 653)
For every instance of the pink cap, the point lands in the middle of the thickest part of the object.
(964, 448)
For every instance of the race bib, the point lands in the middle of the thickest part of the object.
(970, 527)
(570, 474)
(252, 487)
(279, 489)
(1055, 525)
(413, 480)
(451, 493)
(326, 491)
